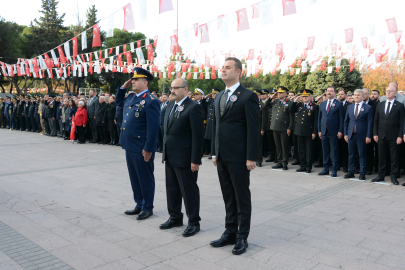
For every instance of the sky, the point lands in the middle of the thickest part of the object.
(311, 20)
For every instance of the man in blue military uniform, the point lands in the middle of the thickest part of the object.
(140, 127)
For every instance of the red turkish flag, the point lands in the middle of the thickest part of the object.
(129, 23)
(150, 52)
(74, 40)
(165, 5)
(364, 42)
(213, 75)
(189, 76)
(129, 57)
(61, 56)
(251, 54)
(174, 46)
(349, 35)
(124, 48)
(291, 72)
(119, 57)
(289, 7)
(48, 61)
(204, 33)
(138, 44)
(155, 40)
(311, 41)
(243, 23)
(392, 25)
(195, 26)
(323, 66)
(398, 35)
(378, 57)
(255, 13)
(279, 49)
(96, 36)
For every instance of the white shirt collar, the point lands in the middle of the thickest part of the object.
(392, 101)
(181, 101)
(144, 91)
(233, 88)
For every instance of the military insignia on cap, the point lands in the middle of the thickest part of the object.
(233, 98)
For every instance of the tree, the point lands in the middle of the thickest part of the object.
(10, 40)
(294, 82)
(319, 80)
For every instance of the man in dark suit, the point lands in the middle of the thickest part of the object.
(163, 106)
(92, 107)
(51, 114)
(358, 130)
(330, 130)
(234, 151)
(343, 146)
(20, 114)
(370, 147)
(388, 132)
(306, 128)
(182, 146)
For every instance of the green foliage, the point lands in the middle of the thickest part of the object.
(10, 40)
(318, 80)
(294, 82)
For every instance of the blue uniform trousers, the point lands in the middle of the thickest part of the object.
(142, 179)
(8, 121)
(359, 145)
(330, 146)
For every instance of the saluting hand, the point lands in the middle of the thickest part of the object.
(251, 165)
(194, 167)
(127, 84)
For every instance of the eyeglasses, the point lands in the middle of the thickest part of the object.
(176, 87)
(390, 91)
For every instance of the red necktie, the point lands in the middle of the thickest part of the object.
(327, 109)
(355, 116)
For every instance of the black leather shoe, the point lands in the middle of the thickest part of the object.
(258, 165)
(394, 180)
(319, 165)
(210, 158)
(225, 240)
(285, 167)
(269, 159)
(144, 215)
(403, 184)
(191, 230)
(362, 177)
(309, 170)
(334, 174)
(240, 247)
(349, 175)
(296, 163)
(324, 172)
(378, 179)
(301, 169)
(170, 223)
(278, 166)
(134, 211)
(369, 172)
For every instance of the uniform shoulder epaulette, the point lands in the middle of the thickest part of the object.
(151, 96)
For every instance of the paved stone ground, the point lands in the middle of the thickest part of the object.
(61, 207)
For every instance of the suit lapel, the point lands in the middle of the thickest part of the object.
(176, 114)
(168, 110)
(217, 104)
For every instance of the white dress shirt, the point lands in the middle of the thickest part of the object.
(232, 90)
(358, 109)
(178, 104)
(386, 105)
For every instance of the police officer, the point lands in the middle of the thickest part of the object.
(210, 100)
(281, 125)
(140, 127)
(306, 128)
(259, 159)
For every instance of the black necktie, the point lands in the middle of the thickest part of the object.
(222, 102)
(388, 108)
(172, 113)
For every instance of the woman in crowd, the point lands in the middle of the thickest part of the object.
(112, 129)
(81, 122)
(70, 113)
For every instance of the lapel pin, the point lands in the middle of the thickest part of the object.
(233, 98)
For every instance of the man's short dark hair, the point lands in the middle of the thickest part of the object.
(334, 88)
(341, 89)
(167, 95)
(376, 91)
(238, 63)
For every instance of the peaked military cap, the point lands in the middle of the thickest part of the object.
(142, 73)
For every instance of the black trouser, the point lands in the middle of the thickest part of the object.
(370, 156)
(319, 149)
(234, 178)
(52, 126)
(33, 123)
(113, 137)
(17, 121)
(259, 159)
(376, 157)
(388, 149)
(305, 151)
(27, 123)
(281, 139)
(182, 183)
(160, 139)
(93, 127)
(2, 119)
(272, 145)
(81, 134)
(38, 123)
(61, 127)
(21, 122)
(344, 153)
(102, 132)
(119, 129)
